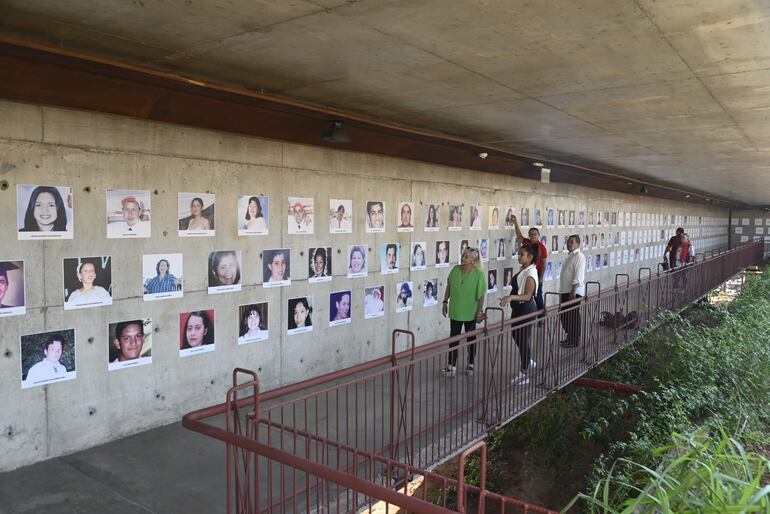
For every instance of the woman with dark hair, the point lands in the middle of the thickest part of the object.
(255, 220)
(45, 211)
(510, 219)
(251, 328)
(198, 330)
(418, 256)
(88, 293)
(454, 217)
(198, 221)
(357, 261)
(164, 282)
(432, 221)
(522, 300)
(318, 264)
(224, 269)
(404, 294)
(299, 313)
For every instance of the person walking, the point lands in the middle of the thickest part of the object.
(572, 286)
(466, 288)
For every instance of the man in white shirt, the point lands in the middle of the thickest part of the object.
(49, 368)
(338, 223)
(573, 285)
(132, 224)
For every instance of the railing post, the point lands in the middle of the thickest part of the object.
(395, 388)
(482, 476)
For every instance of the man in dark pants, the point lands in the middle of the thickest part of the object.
(534, 237)
(672, 247)
(572, 286)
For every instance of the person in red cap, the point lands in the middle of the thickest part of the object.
(132, 224)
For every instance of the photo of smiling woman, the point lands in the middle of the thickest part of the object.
(44, 212)
(253, 215)
(357, 261)
(300, 315)
(162, 276)
(417, 261)
(195, 212)
(129, 343)
(319, 265)
(196, 332)
(253, 323)
(224, 271)
(87, 282)
(339, 308)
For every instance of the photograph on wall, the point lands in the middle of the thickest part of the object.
(252, 323)
(582, 218)
(47, 357)
(549, 217)
(599, 218)
(538, 217)
(507, 279)
(44, 212)
(13, 299)
(614, 218)
(253, 215)
(196, 332)
(571, 218)
(561, 218)
(195, 212)
(476, 217)
(590, 219)
(389, 255)
(554, 245)
(484, 249)
(375, 216)
(300, 315)
(224, 271)
(494, 217)
(319, 264)
(357, 261)
(455, 217)
(432, 220)
(162, 275)
(129, 344)
(549, 271)
(606, 218)
(276, 267)
(510, 218)
(559, 266)
(524, 219)
(461, 248)
(430, 292)
(300, 215)
(87, 282)
(128, 213)
(405, 220)
(339, 308)
(417, 255)
(404, 296)
(500, 245)
(340, 216)
(492, 281)
(589, 263)
(374, 303)
(442, 254)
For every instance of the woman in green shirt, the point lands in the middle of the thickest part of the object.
(466, 287)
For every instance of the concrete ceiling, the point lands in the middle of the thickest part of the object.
(673, 90)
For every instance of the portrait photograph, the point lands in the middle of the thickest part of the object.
(253, 215)
(44, 212)
(561, 218)
(339, 308)
(538, 217)
(47, 357)
(590, 219)
(571, 218)
(492, 281)
(340, 216)
(276, 267)
(252, 323)
(129, 344)
(196, 332)
(582, 218)
(195, 212)
(319, 264)
(374, 303)
(417, 256)
(442, 254)
(224, 271)
(461, 249)
(375, 216)
(389, 255)
(524, 219)
(476, 223)
(500, 246)
(162, 276)
(599, 218)
(549, 217)
(87, 282)
(300, 314)
(589, 263)
(507, 279)
(405, 217)
(357, 261)
(128, 213)
(300, 215)
(494, 217)
(430, 292)
(13, 300)
(510, 218)
(549, 270)
(432, 219)
(455, 217)
(404, 297)
(554, 244)
(484, 249)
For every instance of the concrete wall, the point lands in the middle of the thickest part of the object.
(750, 225)
(92, 152)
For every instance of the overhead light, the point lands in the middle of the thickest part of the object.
(538, 164)
(483, 155)
(545, 175)
(687, 196)
(336, 133)
(629, 183)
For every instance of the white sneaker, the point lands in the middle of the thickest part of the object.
(532, 364)
(520, 379)
(449, 371)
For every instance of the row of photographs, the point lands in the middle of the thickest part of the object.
(46, 212)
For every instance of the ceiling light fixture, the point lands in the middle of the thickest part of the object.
(687, 196)
(336, 133)
(483, 155)
(537, 164)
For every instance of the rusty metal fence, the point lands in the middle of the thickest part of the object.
(350, 440)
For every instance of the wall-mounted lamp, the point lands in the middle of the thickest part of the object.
(545, 175)
(687, 196)
(483, 155)
(336, 133)
(537, 164)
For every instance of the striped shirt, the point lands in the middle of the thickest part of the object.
(166, 284)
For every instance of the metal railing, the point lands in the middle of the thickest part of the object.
(345, 440)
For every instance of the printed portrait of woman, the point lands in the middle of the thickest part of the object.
(430, 287)
(357, 261)
(253, 323)
(374, 305)
(339, 308)
(87, 282)
(162, 275)
(196, 332)
(492, 281)
(404, 300)
(320, 265)
(475, 217)
(224, 271)
(431, 217)
(44, 212)
(455, 217)
(494, 218)
(300, 312)
(253, 217)
(195, 214)
(418, 256)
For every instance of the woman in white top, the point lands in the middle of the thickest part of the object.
(522, 299)
(254, 219)
(89, 293)
(373, 303)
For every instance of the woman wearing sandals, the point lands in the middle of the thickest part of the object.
(524, 286)
(466, 287)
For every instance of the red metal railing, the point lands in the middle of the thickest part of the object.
(344, 441)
